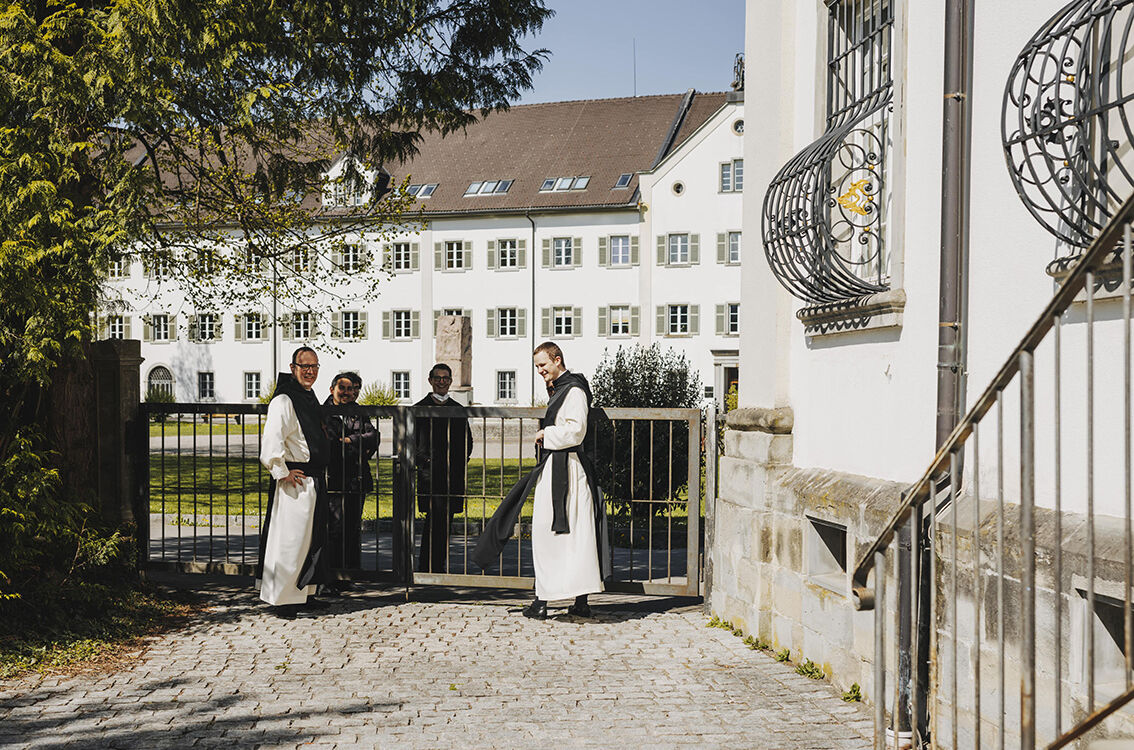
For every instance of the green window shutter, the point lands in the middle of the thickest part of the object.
(127, 328)
(577, 252)
(661, 320)
(633, 251)
(363, 324)
(238, 330)
(634, 320)
(491, 327)
(336, 260)
(522, 323)
(192, 327)
(545, 322)
(467, 251)
(438, 256)
(603, 255)
(387, 258)
(522, 253)
(603, 322)
(415, 324)
(694, 249)
(415, 256)
(577, 322)
(547, 253)
(103, 329)
(720, 320)
(285, 328)
(386, 332)
(365, 256)
(491, 254)
(661, 250)
(336, 325)
(694, 319)
(436, 317)
(218, 327)
(147, 329)
(722, 247)
(173, 328)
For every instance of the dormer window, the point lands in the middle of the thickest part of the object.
(623, 181)
(561, 184)
(425, 191)
(488, 187)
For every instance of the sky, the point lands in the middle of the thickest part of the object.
(681, 44)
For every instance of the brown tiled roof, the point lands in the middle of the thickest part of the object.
(597, 138)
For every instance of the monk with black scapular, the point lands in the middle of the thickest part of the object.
(295, 450)
(569, 518)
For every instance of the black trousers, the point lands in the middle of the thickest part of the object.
(344, 533)
(434, 549)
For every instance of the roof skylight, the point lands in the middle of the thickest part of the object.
(623, 180)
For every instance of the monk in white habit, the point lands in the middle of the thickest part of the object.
(294, 450)
(568, 516)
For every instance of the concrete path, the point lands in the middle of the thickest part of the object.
(446, 669)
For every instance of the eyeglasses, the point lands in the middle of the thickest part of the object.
(442, 378)
(308, 368)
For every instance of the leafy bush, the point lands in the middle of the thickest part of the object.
(640, 461)
(378, 394)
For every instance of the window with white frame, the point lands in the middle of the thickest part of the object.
(301, 259)
(563, 321)
(732, 176)
(505, 385)
(351, 258)
(402, 322)
(117, 269)
(620, 320)
(564, 252)
(732, 318)
(400, 257)
(251, 385)
(400, 382)
(115, 327)
(253, 327)
(508, 255)
(678, 320)
(301, 326)
(160, 327)
(734, 247)
(206, 386)
(206, 327)
(620, 250)
(507, 322)
(207, 262)
(351, 324)
(678, 249)
(454, 255)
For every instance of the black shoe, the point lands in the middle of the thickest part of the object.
(580, 610)
(313, 603)
(285, 611)
(537, 610)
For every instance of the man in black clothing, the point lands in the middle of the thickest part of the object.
(444, 445)
(353, 441)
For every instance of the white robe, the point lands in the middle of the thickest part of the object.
(293, 510)
(566, 565)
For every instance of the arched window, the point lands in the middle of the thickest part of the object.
(160, 379)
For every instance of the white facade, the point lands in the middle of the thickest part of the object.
(633, 288)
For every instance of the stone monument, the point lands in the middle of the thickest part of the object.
(454, 348)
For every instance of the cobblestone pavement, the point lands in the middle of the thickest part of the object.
(446, 669)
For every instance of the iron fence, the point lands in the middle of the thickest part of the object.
(1014, 553)
(204, 492)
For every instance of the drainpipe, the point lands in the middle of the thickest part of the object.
(533, 322)
(952, 335)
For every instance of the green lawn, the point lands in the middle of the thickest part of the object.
(170, 428)
(213, 485)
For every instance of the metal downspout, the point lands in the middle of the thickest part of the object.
(952, 334)
(534, 318)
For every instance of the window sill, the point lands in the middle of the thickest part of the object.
(872, 312)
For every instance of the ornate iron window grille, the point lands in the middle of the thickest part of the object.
(1066, 123)
(824, 221)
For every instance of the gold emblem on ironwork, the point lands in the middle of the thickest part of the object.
(855, 199)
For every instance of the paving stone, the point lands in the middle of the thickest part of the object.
(437, 671)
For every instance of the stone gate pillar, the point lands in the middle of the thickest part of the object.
(117, 367)
(454, 348)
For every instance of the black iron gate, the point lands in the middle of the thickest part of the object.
(204, 493)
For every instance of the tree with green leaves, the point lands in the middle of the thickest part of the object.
(155, 128)
(644, 464)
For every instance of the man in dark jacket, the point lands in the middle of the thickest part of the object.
(444, 445)
(353, 441)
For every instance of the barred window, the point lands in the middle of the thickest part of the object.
(505, 385)
(824, 222)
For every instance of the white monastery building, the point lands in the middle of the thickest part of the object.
(591, 223)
